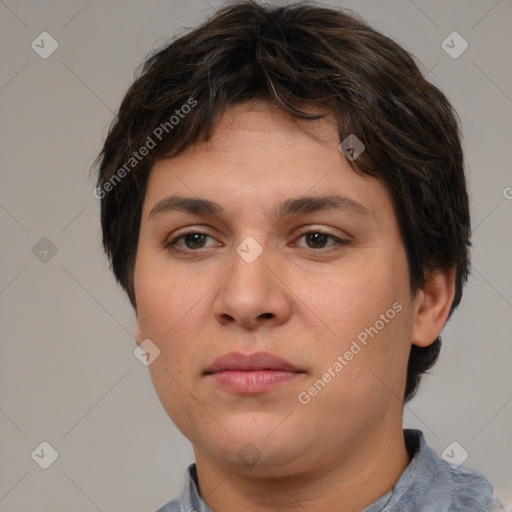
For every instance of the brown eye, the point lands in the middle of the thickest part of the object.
(194, 240)
(317, 240)
(190, 241)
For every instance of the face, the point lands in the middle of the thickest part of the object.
(258, 270)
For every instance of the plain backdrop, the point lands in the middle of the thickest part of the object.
(68, 373)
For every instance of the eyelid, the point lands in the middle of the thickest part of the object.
(182, 233)
(171, 243)
(323, 230)
(338, 240)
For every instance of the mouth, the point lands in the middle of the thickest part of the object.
(251, 373)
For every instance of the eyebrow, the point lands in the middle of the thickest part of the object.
(287, 208)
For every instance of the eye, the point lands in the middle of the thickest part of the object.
(191, 240)
(316, 239)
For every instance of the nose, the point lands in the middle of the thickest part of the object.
(252, 294)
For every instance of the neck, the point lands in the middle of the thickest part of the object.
(346, 483)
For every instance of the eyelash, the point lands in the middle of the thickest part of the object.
(172, 245)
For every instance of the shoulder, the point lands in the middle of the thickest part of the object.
(452, 488)
(172, 506)
(190, 500)
(470, 490)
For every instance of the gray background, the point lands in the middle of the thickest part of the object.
(68, 373)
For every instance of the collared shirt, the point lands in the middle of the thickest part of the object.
(428, 484)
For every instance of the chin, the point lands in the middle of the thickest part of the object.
(255, 449)
(258, 458)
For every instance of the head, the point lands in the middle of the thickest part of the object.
(248, 111)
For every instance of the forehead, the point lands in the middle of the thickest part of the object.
(259, 155)
(259, 117)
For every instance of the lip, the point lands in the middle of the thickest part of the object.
(250, 362)
(251, 373)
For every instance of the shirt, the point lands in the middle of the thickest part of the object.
(428, 484)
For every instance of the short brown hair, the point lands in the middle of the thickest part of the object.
(300, 57)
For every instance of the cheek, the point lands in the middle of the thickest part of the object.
(366, 314)
(168, 310)
(172, 310)
(350, 300)
(378, 370)
(371, 381)
(166, 297)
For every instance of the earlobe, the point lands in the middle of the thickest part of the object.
(433, 305)
(138, 332)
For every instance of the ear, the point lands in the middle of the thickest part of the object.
(432, 305)
(138, 332)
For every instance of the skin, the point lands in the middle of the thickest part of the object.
(304, 299)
